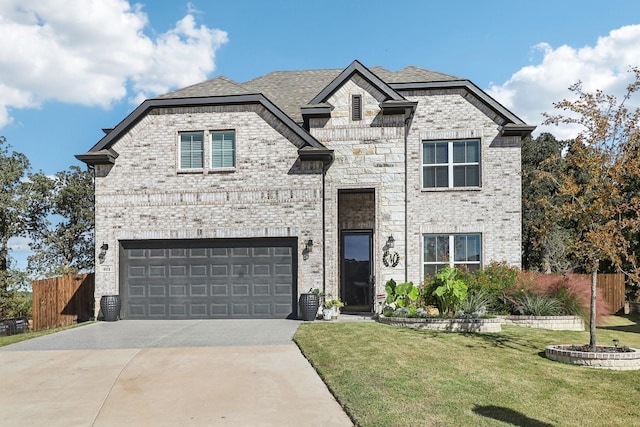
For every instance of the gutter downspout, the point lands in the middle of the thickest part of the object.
(406, 199)
(324, 232)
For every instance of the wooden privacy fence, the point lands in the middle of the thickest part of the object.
(611, 288)
(62, 301)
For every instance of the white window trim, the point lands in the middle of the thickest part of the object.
(450, 164)
(182, 169)
(235, 151)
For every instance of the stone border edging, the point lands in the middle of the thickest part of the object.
(441, 324)
(554, 323)
(616, 361)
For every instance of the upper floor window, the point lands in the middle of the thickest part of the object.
(448, 164)
(192, 150)
(453, 250)
(223, 149)
(356, 107)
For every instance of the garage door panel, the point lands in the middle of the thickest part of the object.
(198, 310)
(262, 289)
(282, 289)
(240, 290)
(136, 310)
(220, 290)
(241, 279)
(240, 310)
(219, 310)
(157, 310)
(240, 270)
(199, 290)
(178, 310)
(177, 291)
(198, 270)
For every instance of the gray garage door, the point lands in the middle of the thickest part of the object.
(186, 279)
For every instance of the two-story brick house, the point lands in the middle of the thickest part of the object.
(228, 199)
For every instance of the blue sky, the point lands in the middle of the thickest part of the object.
(70, 68)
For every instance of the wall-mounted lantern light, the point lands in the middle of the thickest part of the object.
(390, 241)
(103, 252)
(308, 247)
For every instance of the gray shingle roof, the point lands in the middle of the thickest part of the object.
(290, 90)
(219, 86)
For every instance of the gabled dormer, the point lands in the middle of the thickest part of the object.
(352, 104)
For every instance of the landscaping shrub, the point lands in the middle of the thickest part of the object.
(496, 278)
(573, 291)
(476, 303)
(503, 289)
(530, 304)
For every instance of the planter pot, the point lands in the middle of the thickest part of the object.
(327, 313)
(309, 304)
(336, 312)
(110, 306)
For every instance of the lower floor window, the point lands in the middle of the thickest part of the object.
(453, 250)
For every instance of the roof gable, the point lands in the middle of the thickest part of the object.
(356, 68)
(96, 154)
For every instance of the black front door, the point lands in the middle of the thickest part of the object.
(356, 271)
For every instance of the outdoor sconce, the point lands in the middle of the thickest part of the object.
(103, 252)
(390, 241)
(308, 247)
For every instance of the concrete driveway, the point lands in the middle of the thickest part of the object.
(165, 373)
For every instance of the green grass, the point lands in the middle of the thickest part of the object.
(12, 339)
(391, 376)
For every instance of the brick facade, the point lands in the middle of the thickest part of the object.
(374, 181)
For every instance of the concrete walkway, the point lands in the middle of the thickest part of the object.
(165, 373)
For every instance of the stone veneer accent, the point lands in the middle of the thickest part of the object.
(616, 361)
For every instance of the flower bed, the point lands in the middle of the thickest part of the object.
(443, 324)
(606, 357)
(554, 323)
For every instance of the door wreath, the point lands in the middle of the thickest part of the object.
(390, 259)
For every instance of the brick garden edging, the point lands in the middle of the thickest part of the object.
(440, 324)
(618, 361)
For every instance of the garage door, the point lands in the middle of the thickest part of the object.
(186, 279)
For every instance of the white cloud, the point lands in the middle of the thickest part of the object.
(533, 89)
(19, 244)
(90, 53)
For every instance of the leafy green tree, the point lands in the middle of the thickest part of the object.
(13, 203)
(592, 199)
(14, 219)
(542, 250)
(63, 240)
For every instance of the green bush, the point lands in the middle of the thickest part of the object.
(503, 289)
(401, 295)
(530, 304)
(496, 278)
(450, 290)
(476, 303)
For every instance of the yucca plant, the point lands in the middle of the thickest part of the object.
(475, 303)
(538, 305)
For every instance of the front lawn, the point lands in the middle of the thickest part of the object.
(390, 376)
(12, 339)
